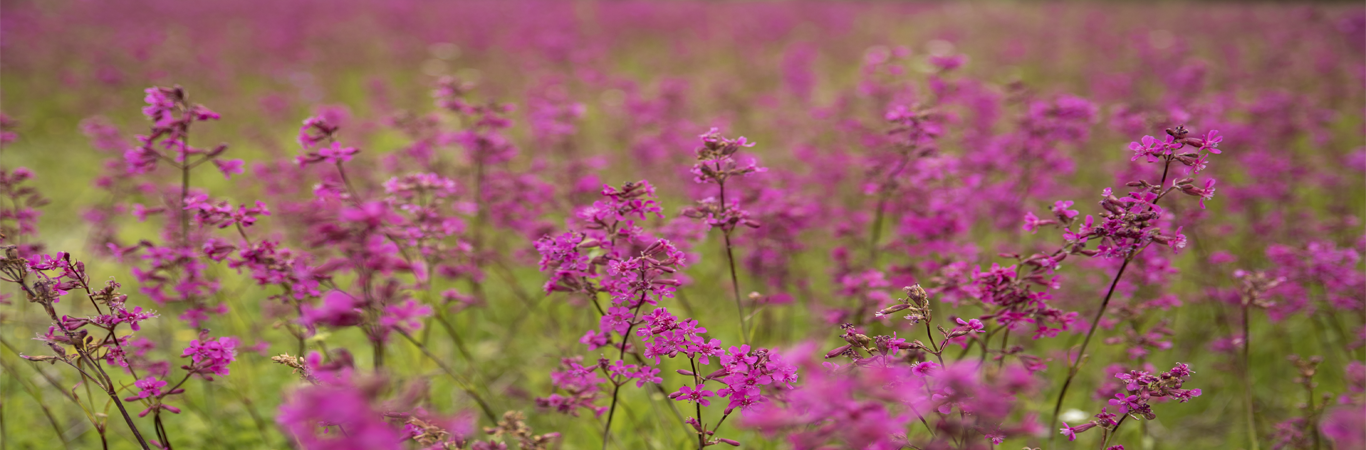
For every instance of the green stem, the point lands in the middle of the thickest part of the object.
(734, 280)
(1247, 383)
(464, 386)
(1004, 341)
(735, 289)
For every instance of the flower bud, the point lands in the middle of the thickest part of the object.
(217, 150)
(892, 309)
(917, 294)
(837, 351)
(1178, 132)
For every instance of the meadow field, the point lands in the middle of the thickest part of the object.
(521, 224)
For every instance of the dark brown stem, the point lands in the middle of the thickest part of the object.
(1313, 418)
(607, 429)
(938, 354)
(1073, 365)
(641, 361)
(697, 381)
(106, 383)
(1113, 432)
(1162, 184)
(161, 430)
(1247, 382)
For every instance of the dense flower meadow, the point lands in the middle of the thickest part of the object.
(521, 224)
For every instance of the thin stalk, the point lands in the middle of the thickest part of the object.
(488, 412)
(1313, 415)
(1113, 432)
(697, 381)
(56, 428)
(983, 342)
(683, 300)
(735, 289)
(255, 417)
(1247, 383)
(477, 230)
(52, 381)
(161, 430)
(607, 428)
(641, 361)
(378, 346)
(459, 343)
(937, 351)
(734, 280)
(1075, 364)
(105, 382)
(875, 233)
(185, 193)
(1004, 341)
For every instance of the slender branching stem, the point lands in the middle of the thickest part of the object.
(1247, 382)
(612, 410)
(1113, 432)
(884, 192)
(734, 280)
(1005, 341)
(378, 346)
(459, 343)
(635, 354)
(735, 289)
(185, 193)
(464, 385)
(1075, 364)
(938, 353)
(697, 381)
(161, 430)
(56, 428)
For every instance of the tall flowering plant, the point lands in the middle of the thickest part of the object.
(1132, 223)
(717, 163)
(632, 279)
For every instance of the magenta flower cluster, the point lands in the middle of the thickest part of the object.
(936, 235)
